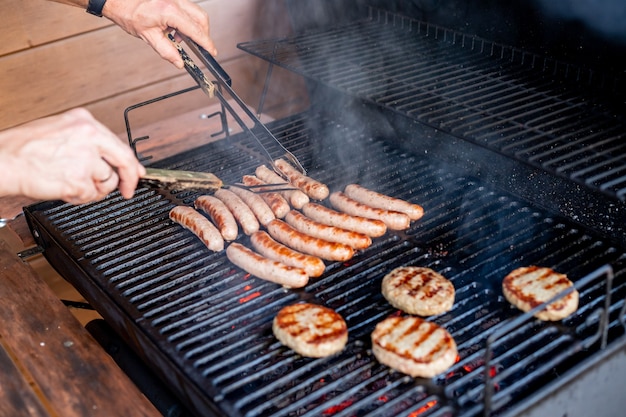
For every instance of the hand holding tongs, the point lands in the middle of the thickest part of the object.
(225, 81)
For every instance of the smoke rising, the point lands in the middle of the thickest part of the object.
(607, 17)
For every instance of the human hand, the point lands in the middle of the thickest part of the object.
(71, 157)
(152, 20)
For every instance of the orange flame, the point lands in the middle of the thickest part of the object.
(249, 297)
(337, 408)
(427, 406)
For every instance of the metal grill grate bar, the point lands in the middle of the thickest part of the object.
(515, 103)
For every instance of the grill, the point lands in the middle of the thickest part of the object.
(441, 136)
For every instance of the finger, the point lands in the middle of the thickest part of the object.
(105, 187)
(102, 171)
(196, 26)
(164, 47)
(127, 167)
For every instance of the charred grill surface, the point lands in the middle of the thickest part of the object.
(205, 326)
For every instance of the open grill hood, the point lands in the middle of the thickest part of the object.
(205, 326)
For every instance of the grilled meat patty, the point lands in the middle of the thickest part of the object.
(311, 330)
(413, 346)
(529, 286)
(418, 290)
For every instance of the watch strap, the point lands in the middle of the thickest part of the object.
(95, 7)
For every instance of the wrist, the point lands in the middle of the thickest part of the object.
(95, 7)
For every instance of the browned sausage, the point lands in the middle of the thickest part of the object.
(220, 214)
(296, 198)
(268, 247)
(331, 233)
(259, 207)
(374, 199)
(277, 202)
(240, 210)
(314, 189)
(202, 227)
(393, 219)
(302, 242)
(323, 214)
(265, 268)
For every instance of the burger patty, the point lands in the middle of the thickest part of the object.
(413, 346)
(527, 287)
(418, 290)
(310, 330)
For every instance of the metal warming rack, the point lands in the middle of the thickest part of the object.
(205, 326)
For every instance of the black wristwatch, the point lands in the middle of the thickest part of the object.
(95, 7)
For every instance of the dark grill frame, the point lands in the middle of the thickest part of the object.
(205, 326)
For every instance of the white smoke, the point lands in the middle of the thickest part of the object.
(607, 17)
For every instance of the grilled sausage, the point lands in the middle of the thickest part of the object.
(331, 233)
(322, 214)
(374, 199)
(259, 207)
(265, 268)
(311, 330)
(220, 214)
(302, 242)
(314, 189)
(240, 210)
(268, 247)
(277, 202)
(393, 219)
(295, 197)
(202, 227)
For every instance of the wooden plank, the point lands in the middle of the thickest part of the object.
(47, 21)
(93, 66)
(74, 72)
(16, 396)
(66, 367)
(14, 37)
(248, 74)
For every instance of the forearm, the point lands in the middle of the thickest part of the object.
(77, 3)
(8, 180)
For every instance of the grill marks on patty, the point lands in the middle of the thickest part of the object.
(528, 287)
(310, 330)
(418, 290)
(413, 346)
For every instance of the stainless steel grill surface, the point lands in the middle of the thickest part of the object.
(205, 326)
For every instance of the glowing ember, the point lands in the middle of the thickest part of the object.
(427, 406)
(337, 408)
(383, 398)
(249, 297)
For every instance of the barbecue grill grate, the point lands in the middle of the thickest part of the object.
(536, 110)
(205, 326)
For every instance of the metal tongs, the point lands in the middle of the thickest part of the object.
(169, 179)
(225, 82)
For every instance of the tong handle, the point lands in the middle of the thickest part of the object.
(207, 58)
